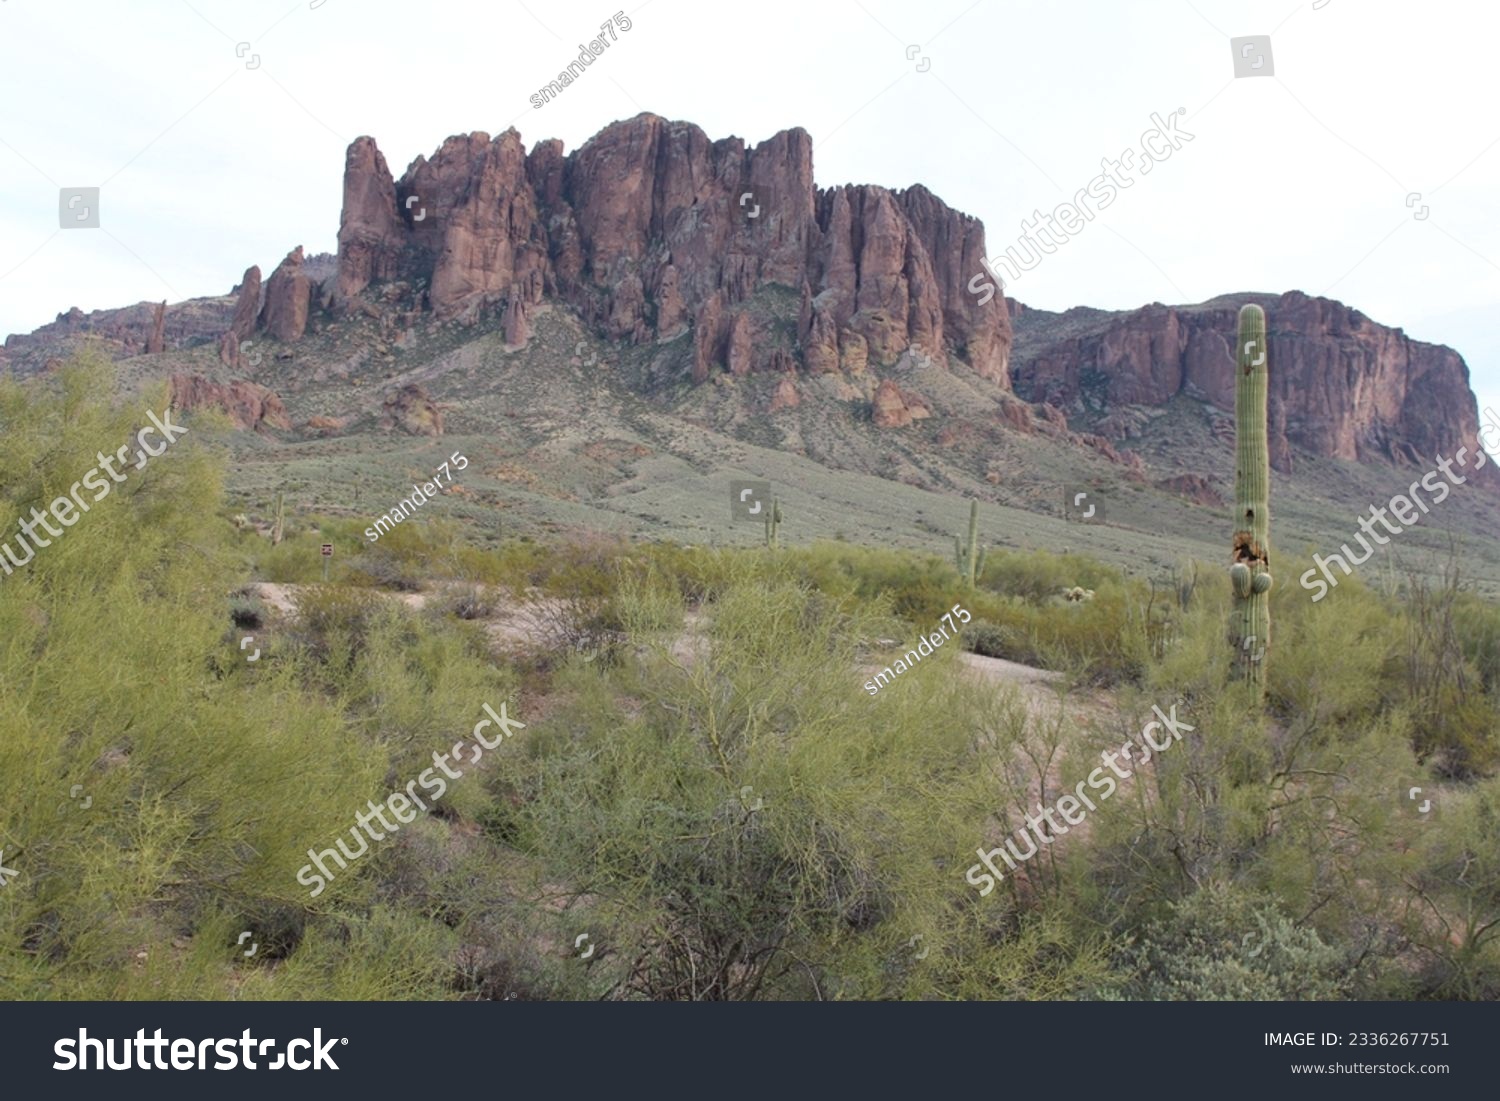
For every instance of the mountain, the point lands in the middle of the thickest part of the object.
(1344, 387)
(657, 309)
(650, 231)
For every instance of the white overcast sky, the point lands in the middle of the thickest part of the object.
(1296, 181)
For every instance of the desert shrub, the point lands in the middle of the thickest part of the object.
(383, 954)
(334, 621)
(246, 610)
(1217, 945)
(1038, 576)
(1477, 622)
(698, 572)
(747, 829)
(989, 639)
(288, 563)
(919, 588)
(1454, 880)
(647, 603)
(297, 559)
(388, 567)
(1454, 721)
(575, 600)
(1097, 639)
(150, 778)
(468, 602)
(515, 564)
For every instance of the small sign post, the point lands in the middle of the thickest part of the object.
(327, 554)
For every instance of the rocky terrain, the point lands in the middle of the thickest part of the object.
(682, 288)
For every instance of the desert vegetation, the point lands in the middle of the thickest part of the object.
(704, 804)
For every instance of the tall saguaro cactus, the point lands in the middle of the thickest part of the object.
(970, 559)
(773, 523)
(1250, 554)
(278, 527)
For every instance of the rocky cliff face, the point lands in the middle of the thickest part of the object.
(249, 406)
(650, 229)
(1341, 385)
(288, 296)
(242, 321)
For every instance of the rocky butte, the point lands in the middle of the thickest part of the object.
(650, 230)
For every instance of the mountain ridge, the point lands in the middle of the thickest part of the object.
(835, 323)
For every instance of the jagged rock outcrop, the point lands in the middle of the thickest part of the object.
(370, 231)
(730, 257)
(1341, 385)
(242, 323)
(517, 327)
(246, 303)
(894, 407)
(738, 346)
(650, 224)
(785, 395)
(1133, 463)
(288, 296)
(325, 426)
(413, 412)
(250, 406)
(1018, 415)
(707, 337)
(157, 341)
(671, 310)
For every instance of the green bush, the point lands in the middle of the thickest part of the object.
(1217, 945)
(749, 824)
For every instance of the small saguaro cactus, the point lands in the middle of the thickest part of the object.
(278, 526)
(970, 559)
(773, 522)
(1250, 553)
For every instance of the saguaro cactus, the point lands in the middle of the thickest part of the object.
(773, 522)
(970, 559)
(278, 526)
(1250, 553)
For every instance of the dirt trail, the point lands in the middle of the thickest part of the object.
(276, 596)
(1037, 686)
(510, 624)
